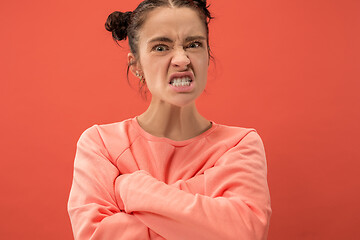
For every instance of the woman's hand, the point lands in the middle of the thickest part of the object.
(121, 186)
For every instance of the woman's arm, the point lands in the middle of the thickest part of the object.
(235, 203)
(93, 209)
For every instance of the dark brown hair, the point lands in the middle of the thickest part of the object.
(127, 24)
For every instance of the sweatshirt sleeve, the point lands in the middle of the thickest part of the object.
(235, 203)
(92, 207)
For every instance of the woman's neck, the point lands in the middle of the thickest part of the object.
(173, 122)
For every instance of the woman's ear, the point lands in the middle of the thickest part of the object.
(133, 64)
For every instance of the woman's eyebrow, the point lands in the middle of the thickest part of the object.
(160, 39)
(192, 38)
(166, 39)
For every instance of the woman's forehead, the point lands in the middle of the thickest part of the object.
(172, 23)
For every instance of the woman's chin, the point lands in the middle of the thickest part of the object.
(183, 100)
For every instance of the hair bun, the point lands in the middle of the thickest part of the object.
(117, 23)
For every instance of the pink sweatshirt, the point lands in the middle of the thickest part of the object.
(129, 184)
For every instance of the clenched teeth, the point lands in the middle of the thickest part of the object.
(181, 82)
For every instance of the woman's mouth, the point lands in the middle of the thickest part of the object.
(181, 82)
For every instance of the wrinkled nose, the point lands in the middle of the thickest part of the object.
(180, 59)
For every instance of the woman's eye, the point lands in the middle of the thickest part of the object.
(160, 48)
(194, 45)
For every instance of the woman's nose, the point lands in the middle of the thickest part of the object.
(180, 58)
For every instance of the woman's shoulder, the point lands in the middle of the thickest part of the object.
(232, 135)
(114, 137)
(108, 130)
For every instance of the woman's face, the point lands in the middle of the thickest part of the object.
(173, 55)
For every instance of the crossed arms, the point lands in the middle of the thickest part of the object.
(227, 201)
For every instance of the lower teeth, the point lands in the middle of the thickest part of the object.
(181, 84)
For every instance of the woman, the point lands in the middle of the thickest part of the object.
(169, 173)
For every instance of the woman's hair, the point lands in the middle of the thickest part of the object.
(127, 24)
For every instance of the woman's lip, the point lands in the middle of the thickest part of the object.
(183, 89)
(181, 75)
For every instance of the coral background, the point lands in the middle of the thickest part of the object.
(290, 69)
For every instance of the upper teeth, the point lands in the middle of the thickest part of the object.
(184, 81)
